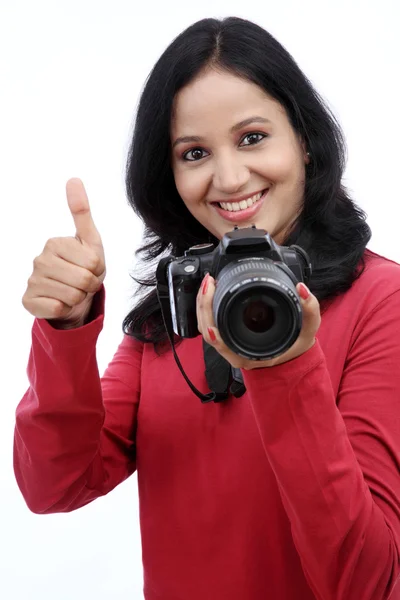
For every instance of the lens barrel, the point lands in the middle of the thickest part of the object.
(256, 308)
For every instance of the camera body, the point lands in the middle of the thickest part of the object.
(256, 307)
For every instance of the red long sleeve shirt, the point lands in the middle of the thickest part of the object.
(290, 492)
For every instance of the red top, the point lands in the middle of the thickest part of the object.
(290, 492)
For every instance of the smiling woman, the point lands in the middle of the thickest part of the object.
(289, 489)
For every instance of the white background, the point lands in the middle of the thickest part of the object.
(70, 77)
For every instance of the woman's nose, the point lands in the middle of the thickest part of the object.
(230, 175)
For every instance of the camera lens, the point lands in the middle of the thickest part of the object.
(256, 308)
(258, 316)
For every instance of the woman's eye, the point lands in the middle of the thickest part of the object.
(253, 138)
(194, 154)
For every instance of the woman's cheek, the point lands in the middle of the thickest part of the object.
(191, 187)
(281, 162)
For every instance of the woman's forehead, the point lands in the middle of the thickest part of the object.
(218, 95)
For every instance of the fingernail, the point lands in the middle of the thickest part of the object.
(212, 335)
(304, 291)
(205, 283)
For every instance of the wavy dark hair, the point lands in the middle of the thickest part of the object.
(331, 228)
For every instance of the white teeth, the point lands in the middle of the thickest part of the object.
(234, 206)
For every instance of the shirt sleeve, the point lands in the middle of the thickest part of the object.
(337, 460)
(74, 436)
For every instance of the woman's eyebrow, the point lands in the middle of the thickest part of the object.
(196, 138)
(249, 121)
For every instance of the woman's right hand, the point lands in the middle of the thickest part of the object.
(70, 270)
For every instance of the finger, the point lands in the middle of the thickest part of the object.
(78, 203)
(57, 269)
(213, 337)
(50, 289)
(71, 251)
(46, 308)
(206, 323)
(204, 304)
(311, 309)
(205, 317)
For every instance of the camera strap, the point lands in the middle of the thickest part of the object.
(163, 298)
(222, 379)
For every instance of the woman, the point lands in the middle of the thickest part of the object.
(292, 490)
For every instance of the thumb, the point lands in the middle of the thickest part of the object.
(78, 203)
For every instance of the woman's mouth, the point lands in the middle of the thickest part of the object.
(243, 210)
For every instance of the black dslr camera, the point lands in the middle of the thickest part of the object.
(256, 306)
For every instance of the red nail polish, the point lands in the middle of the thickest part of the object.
(212, 335)
(205, 284)
(304, 291)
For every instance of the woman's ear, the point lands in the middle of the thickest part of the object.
(306, 153)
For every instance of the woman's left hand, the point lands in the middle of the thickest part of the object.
(306, 339)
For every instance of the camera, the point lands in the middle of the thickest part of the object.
(256, 307)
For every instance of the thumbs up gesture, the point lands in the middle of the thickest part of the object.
(70, 270)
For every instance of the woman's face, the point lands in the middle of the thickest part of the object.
(235, 157)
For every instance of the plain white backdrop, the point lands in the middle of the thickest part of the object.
(70, 77)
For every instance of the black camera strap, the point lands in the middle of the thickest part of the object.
(217, 372)
(163, 298)
(222, 379)
(237, 387)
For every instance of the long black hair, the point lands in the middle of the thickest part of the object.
(331, 228)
